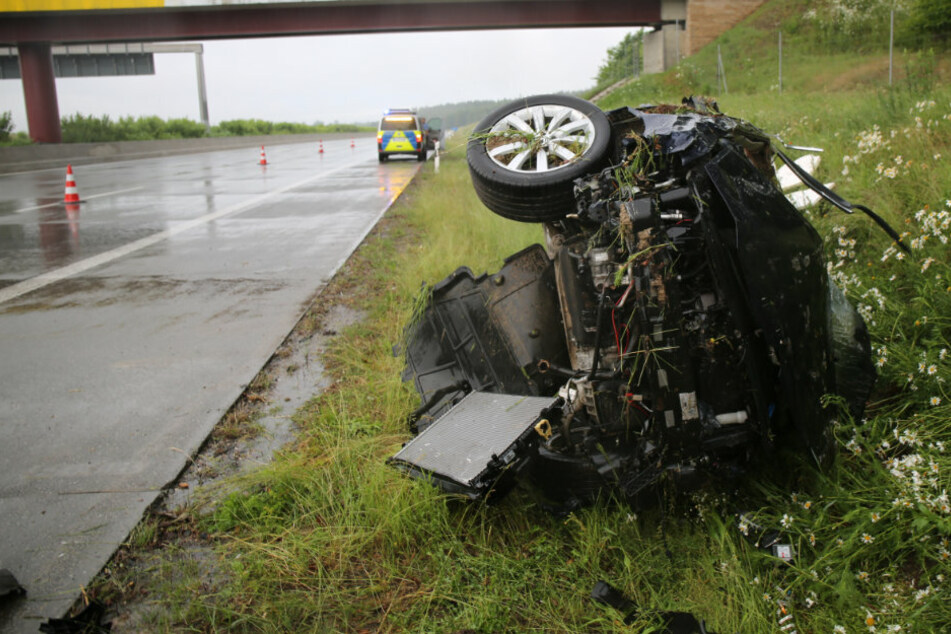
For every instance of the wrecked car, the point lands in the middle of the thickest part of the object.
(678, 325)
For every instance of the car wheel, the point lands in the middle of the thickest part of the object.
(382, 157)
(525, 156)
(421, 156)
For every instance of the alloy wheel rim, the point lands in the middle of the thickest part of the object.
(540, 139)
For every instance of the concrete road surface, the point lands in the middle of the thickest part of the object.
(130, 323)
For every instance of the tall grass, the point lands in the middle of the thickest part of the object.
(327, 538)
(79, 128)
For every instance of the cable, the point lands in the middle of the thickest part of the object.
(838, 201)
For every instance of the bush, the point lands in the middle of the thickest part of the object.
(244, 127)
(620, 61)
(6, 125)
(930, 17)
(79, 128)
(254, 127)
(184, 129)
(859, 25)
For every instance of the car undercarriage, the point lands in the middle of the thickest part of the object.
(678, 325)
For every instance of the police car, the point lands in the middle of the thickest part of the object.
(401, 132)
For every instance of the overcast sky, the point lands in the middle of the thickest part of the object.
(343, 78)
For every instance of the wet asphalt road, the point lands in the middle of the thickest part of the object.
(130, 324)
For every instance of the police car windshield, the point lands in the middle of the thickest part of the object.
(398, 122)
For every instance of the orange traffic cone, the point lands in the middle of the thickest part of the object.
(72, 194)
(321, 151)
(263, 160)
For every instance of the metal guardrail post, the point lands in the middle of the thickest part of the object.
(721, 73)
(780, 62)
(891, 47)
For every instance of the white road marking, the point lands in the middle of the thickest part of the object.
(60, 202)
(35, 283)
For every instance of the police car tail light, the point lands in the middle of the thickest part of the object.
(419, 137)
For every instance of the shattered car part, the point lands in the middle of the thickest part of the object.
(679, 324)
(91, 620)
(764, 539)
(495, 333)
(672, 622)
(479, 444)
(9, 586)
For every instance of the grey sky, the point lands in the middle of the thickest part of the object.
(341, 77)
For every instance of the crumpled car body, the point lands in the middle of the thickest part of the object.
(679, 323)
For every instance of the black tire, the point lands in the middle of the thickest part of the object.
(421, 156)
(536, 196)
(383, 157)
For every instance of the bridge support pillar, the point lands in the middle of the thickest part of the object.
(39, 91)
(664, 47)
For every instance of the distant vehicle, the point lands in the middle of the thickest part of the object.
(401, 132)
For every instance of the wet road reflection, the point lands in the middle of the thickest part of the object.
(112, 215)
(58, 233)
(132, 321)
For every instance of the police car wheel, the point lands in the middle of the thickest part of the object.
(421, 156)
(525, 156)
(382, 157)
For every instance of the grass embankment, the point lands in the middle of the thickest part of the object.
(328, 538)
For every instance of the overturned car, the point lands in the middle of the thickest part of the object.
(679, 324)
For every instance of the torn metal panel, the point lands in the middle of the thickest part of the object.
(493, 333)
(786, 286)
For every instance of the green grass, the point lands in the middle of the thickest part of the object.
(328, 538)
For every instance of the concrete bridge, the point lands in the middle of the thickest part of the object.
(681, 27)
